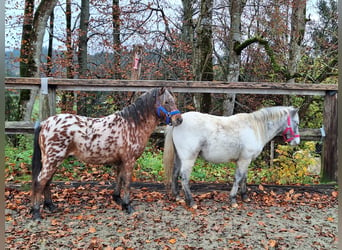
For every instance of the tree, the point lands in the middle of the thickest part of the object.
(83, 39)
(203, 51)
(31, 48)
(325, 41)
(116, 39)
(234, 56)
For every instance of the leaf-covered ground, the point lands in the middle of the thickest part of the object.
(276, 218)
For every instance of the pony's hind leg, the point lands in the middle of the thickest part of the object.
(175, 177)
(39, 186)
(37, 190)
(185, 175)
(48, 199)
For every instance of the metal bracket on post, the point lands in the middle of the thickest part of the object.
(322, 132)
(44, 103)
(44, 90)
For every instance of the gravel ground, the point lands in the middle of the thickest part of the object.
(89, 219)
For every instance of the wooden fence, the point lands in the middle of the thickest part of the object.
(329, 92)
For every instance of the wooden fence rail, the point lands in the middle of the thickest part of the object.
(328, 91)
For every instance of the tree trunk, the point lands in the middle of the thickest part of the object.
(234, 59)
(83, 39)
(187, 37)
(68, 98)
(116, 39)
(188, 25)
(26, 69)
(298, 20)
(136, 62)
(69, 45)
(84, 100)
(203, 53)
(49, 63)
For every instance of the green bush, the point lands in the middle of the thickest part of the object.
(291, 164)
(290, 167)
(18, 159)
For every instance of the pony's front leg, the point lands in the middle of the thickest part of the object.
(127, 179)
(117, 189)
(244, 195)
(240, 177)
(124, 179)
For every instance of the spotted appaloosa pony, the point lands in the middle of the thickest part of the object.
(219, 139)
(118, 139)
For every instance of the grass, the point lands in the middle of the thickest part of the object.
(149, 168)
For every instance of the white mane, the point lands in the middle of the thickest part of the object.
(266, 119)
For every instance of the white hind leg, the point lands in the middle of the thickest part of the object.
(175, 176)
(240, 179)
(185, 172)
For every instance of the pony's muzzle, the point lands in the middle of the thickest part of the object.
(295, 141)
(176, 120)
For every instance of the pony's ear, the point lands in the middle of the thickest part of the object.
(162, 90)
(294, 110)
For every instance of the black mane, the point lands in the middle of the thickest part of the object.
(141, 108)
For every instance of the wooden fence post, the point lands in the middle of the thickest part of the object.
(329, 154)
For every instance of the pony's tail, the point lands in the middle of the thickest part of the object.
(37, 155)
(168, 157)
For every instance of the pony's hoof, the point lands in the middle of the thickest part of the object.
(180, 201)
(35, 214)
(50, 206)
(194, 206)
(128, 208)
(234, 205)
(246, 200)
(37, 217)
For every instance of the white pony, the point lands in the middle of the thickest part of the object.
(219, 139)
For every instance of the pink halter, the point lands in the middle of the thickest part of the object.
(289, 128)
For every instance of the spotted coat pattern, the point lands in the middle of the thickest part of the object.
(118, 139)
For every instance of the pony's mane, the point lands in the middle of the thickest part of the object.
(271, 113)
(260, 117)
(141, 108)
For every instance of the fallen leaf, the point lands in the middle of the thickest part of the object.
(92, 230)
(172, 241)
(250, 214)
(331, 219)
(54, 222)
(272, 243)
(261, 223)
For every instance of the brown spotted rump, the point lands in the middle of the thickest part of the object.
(118, 139)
